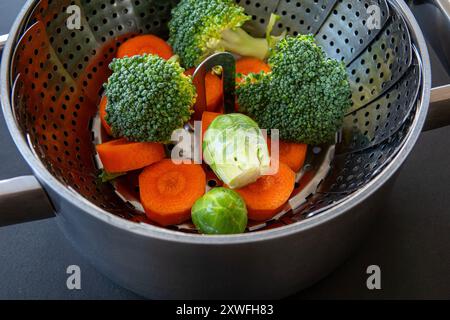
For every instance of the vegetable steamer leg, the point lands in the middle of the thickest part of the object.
(228, 63)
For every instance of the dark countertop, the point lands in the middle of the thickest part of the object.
(410, 241)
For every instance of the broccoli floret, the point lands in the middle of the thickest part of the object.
(199, 28)
(148, 98)
(306, 95)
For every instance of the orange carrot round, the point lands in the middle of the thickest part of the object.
(267, 196)
(246, 66)
(103, 105)
(146, 44)
(292, 154)
(168, 191)
(119, 156)
(207, 119)
(214, 90)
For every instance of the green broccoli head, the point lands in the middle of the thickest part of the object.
(306, 95)
(148, 98)
(199, 28)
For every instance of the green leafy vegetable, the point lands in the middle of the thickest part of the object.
(220, 211)
(148, 98)
(305, 96)
(235, 148)
(199, 28)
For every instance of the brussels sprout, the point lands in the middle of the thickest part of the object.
(220, 211)
(235, 149)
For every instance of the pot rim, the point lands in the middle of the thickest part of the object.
(149, 231)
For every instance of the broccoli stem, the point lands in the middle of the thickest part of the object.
(240, 42)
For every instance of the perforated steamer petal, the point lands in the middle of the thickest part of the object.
(58, 76)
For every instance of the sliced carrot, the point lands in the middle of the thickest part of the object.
(246, 66)
(214, 90)
(123, 156)
(149, 44)
(267, 196)
(168, 191)
(207, 119)
(103, 105)
(292, 154)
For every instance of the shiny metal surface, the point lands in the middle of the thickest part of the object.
(345, 33)
(382, 64)
(369, 126)
(54, 124)
(228, 63)
(302, 17)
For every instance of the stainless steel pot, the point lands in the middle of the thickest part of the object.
(50, 80)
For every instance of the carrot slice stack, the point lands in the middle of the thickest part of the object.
(119, 156)
(146, 44)
(267, 196)
(168, 191)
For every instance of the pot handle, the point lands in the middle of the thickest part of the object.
(23, 199)
(439, 112)
(3, 39)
